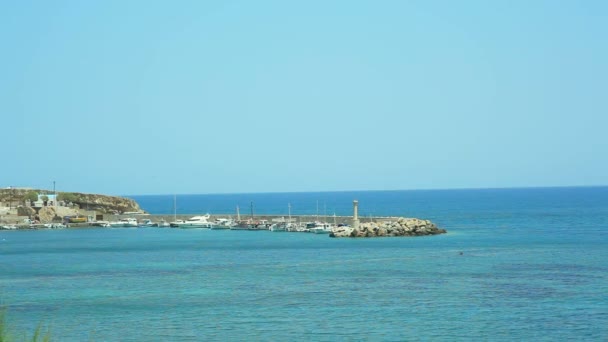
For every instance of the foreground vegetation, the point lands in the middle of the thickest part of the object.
(6, 335)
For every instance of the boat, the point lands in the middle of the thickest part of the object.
(193, 222)
(260, 225)
(148, 223)
(243, 225)
(278, 227)
(176, 223)
(8, 226)
(54, 225)
(250, 224)
(283, 226)
(319, 227)
(125, 222)
(75, 219)
(163, 224)
(223, 223)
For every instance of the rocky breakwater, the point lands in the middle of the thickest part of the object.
(400, 227)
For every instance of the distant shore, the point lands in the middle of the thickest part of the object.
(156, 218)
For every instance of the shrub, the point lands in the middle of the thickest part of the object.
(67, 197)
(31, 196)
(40, 334)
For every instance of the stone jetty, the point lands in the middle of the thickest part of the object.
(400, 227)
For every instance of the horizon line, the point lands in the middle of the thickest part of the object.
(377, 190)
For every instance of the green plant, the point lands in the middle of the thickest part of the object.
(31, 196)
(41, 334)
(44, 197)
(67, 197)
(3, 328)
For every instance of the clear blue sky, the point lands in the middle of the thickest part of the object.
(155, 97)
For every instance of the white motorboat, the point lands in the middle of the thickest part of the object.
(278, 227)
(193, 222)
(223, 223)
(124, 222)
(319, 227)
(176, 223)
(55, 225)
(284, 226)
(148, 223)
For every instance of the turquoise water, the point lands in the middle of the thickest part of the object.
(532, 268)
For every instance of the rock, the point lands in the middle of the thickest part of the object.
(55, 214)
(341, 232)
(26, 211)
(100, 203)
(400, 227)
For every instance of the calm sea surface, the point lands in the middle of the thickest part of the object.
(534, 266)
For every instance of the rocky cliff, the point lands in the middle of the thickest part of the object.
(400, 227)
(100, 203)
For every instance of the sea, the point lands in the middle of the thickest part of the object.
(516, 264)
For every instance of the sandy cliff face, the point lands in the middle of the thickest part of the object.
(101, 203)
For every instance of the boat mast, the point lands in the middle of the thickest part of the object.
(289, 212)
(174, 207)
(238, 213)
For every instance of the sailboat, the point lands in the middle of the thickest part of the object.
(282, 226)
(240, 225)
(321, 227)
(201, 221)
(165, 224)
(175, 222)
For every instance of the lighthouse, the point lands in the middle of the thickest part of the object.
(356, 214)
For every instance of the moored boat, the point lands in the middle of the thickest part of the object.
(278, 227)
(319, 227)
(125, 222)
(223, 223)
(193, 222)
(8, 227)
(148, 223)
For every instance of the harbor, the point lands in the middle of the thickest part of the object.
(39, 209)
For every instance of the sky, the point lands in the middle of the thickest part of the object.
(163, 97)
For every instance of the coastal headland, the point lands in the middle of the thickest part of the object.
(23, 206)
(35, 209)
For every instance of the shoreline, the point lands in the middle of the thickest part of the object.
(157, 218)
